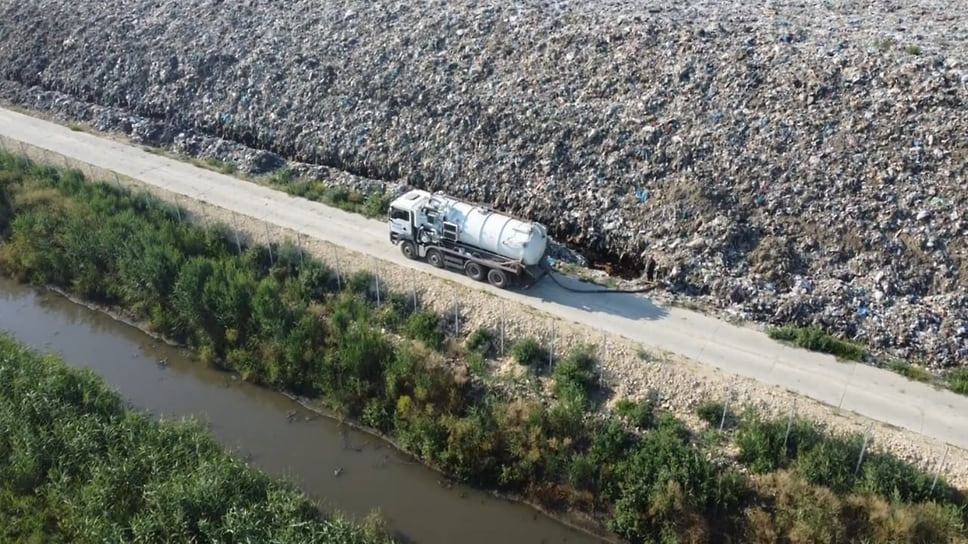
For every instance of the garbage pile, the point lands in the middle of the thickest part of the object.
(788, 161)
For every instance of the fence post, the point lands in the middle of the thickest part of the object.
(863, 448)
(265, 222)
(376, 280)
(238, 243)
(339, 273)
(722, 421)
(302, 252)
(413, 288)
(939, 468)
(846, 386)
(551, 348)
(456, 316)
(786, 437)
(502, 327)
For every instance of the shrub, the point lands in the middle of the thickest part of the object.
(711, 411)
(913, 372)
(480, 340)
(575, 376)
(636, 413)
(760, 444)
(476, 363)
(282, 176)
(528, 352)
(87, 469)
(831, 462)
(377, 204)
(426, 327)
(814, 339)
(361, 283)
(957, 380)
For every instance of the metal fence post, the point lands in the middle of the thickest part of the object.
(456, 315)
(729, 394)
(939, 468)
(265, 222)
(786, 437)
(863, 448)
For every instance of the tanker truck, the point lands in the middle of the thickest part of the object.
(450, 233)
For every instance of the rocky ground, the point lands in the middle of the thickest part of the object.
(783, 161)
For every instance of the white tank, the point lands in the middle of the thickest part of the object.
(491, 231)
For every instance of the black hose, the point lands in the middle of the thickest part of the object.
(551, 274)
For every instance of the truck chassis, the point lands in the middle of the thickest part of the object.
(476, 263)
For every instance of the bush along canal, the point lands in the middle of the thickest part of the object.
(345, 470)
(78, 466)
(282, 319)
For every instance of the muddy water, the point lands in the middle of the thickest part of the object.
(255, 423)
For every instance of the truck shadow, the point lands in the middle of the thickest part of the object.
(569, 293)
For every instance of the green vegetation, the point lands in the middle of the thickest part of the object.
(814, 339)
(832, 460)
(480, 341)
(957, 380)
(575, 377)
(372, 204)
(639, 414)
(912, 372)
(713, 412)
(528, 352)
(77, 466)
(211, 163)
(426, 327)
(281, 319)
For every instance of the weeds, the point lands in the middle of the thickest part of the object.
(528, 352)
(913, 372)
(814, 339)
(957, 380)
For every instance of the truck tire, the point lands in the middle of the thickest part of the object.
(474, 271)
(409, 250)
(435, 258)
(498, 278)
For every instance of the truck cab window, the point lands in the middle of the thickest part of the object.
(399, 214)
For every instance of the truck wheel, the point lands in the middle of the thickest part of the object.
(435, 258)
(498, 278)
(409, 250)
(474, 271)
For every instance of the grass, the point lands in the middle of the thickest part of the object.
(815, 339)
(910, 371)
(957, 380)
(211, 163)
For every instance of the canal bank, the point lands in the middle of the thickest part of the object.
(344, 469)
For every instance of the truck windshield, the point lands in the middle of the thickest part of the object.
(399, 214)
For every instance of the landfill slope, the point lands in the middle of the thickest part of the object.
(787, 162)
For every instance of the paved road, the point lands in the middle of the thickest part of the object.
(874, 393)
